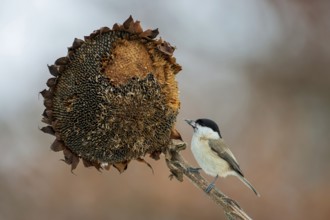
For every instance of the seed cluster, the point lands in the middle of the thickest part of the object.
(109, 123)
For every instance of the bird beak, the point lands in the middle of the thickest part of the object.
(191, 123)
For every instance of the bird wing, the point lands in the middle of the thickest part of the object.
(220, 148)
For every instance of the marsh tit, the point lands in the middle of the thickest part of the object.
(212, 154)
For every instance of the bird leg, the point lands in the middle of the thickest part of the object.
(211, 186)
(193, 169)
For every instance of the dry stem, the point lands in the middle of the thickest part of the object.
(178, 167)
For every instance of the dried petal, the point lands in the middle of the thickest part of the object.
(128, 22)
(44, 113)
(57, 146)
(70, 53)
(51, 82)
(87, 163)
(145, 34)
(137, 27)
(48, 130)
(49, 113)
(95, 33)
(62, 61)
(77, 43)
(53, 69)
(104, 30)
(97, 166)
(46, 121)
(151, 34)
(116, 27)
(145, 162)
(61, 69)
(166, 48)
(48, 103)
(121, 167)
(155, 155)
(75, 162)
(57, 135)
(175, 134)
(154, 33)
(47, 94)
(68, 156)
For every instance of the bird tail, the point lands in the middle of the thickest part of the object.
(248, 184)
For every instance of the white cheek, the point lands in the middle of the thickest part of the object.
(207, 133)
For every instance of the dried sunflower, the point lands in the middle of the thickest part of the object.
(113, 98)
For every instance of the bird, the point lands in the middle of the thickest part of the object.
(212, 154)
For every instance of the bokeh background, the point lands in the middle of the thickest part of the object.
(260, 68)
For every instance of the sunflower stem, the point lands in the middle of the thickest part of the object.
(179, 168)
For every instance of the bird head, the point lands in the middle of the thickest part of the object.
(205, 128)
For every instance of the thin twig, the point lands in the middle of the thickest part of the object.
(178, 167)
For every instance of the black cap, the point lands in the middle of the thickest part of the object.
(209, 123)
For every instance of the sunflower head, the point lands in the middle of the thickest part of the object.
(113, 98)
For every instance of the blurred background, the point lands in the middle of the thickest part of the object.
(261, 69)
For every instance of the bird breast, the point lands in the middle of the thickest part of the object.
(207, 159)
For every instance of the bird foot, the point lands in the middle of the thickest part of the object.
(193, 169)
(209, 188)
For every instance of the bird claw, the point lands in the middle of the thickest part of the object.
(193, 169)
(209, 188)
